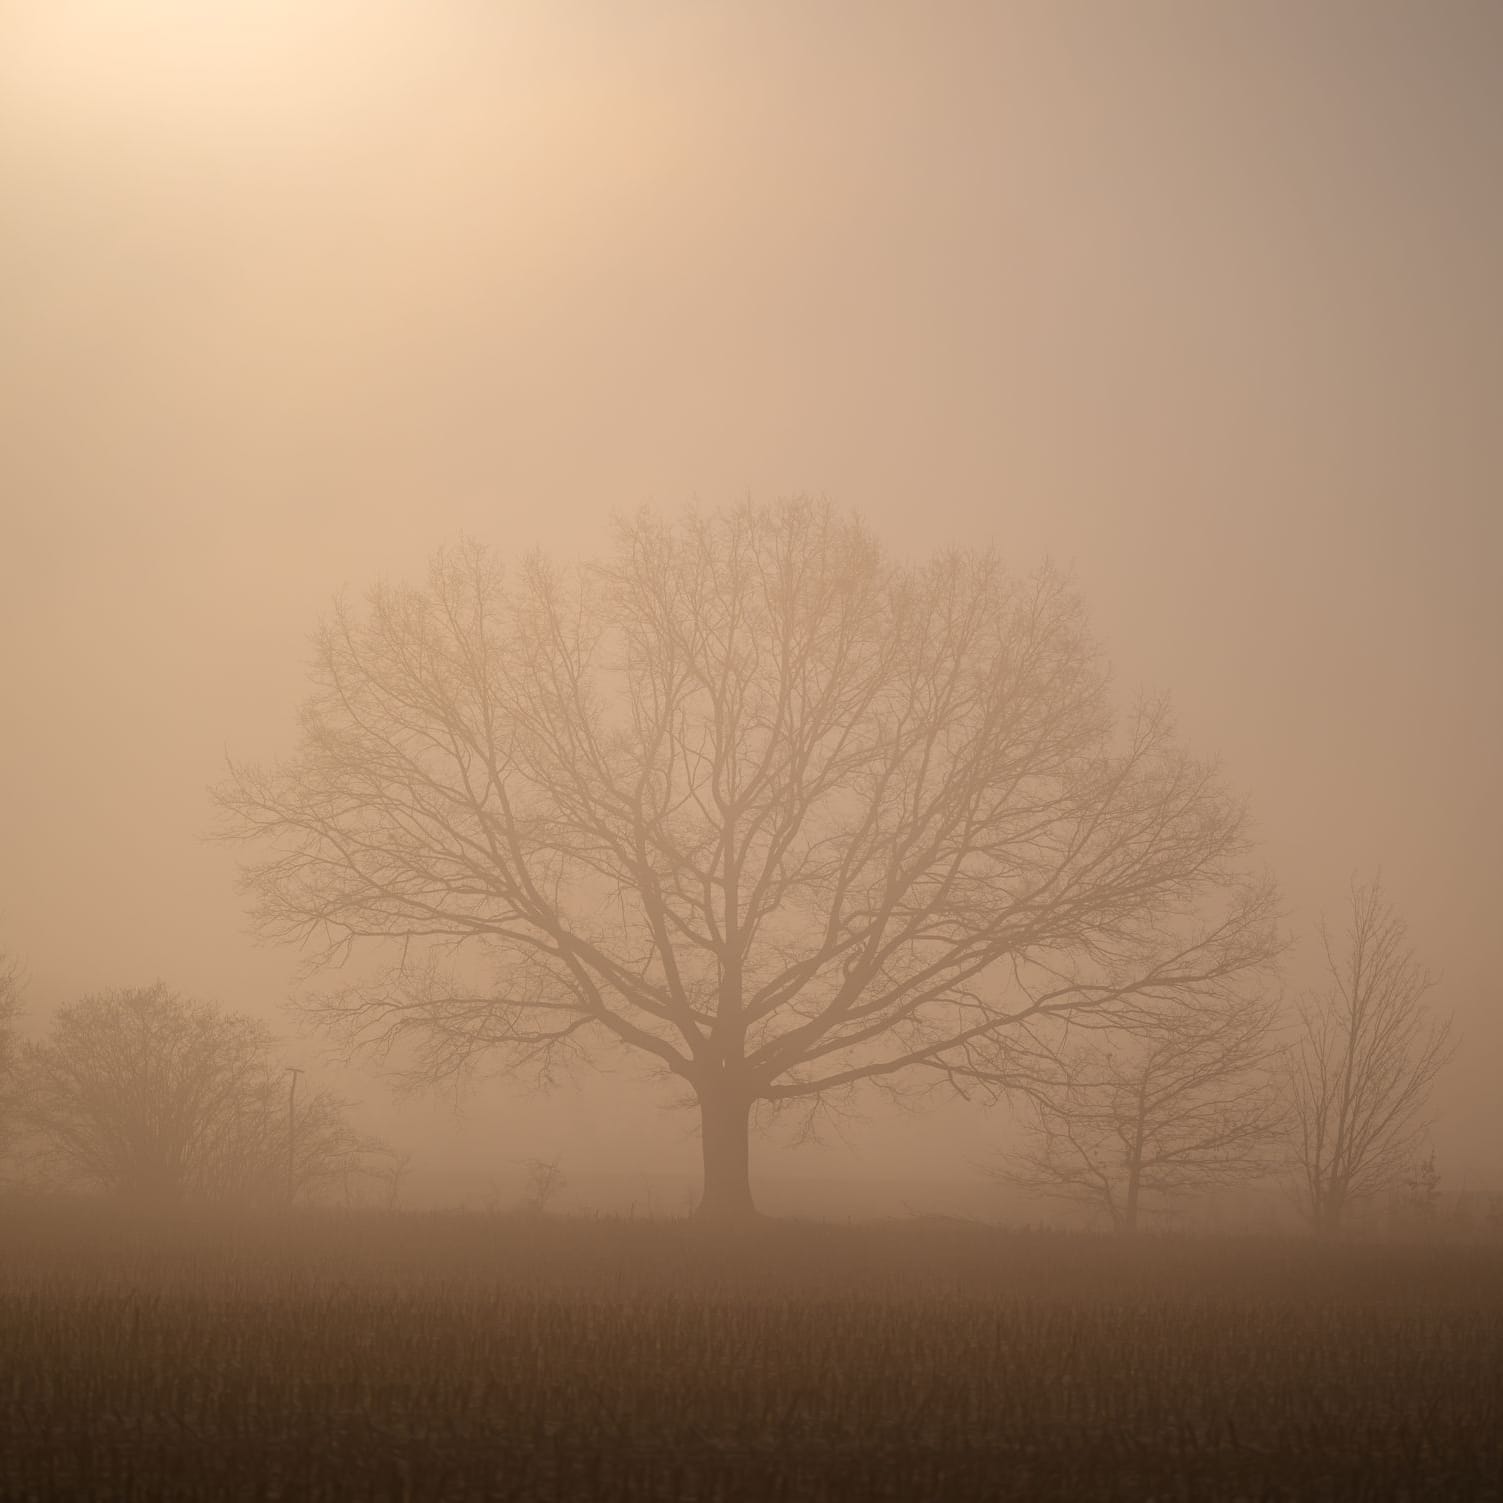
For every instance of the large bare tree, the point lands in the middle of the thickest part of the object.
(1130, 1122)
(1360, 1072)
(745, 797)
(159, 1098)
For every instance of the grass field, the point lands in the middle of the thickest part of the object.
(432, 1356)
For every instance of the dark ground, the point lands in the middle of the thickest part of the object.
(432, 1356)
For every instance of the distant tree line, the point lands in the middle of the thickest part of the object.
(786, 819)
(157, 1098)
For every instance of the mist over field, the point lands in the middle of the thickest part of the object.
(807, 609)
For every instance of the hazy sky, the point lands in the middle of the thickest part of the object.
(1200, 299)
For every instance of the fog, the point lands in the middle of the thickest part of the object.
(1198, 301)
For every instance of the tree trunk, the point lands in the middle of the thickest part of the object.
(1129, 1221)
(725, 1130)
(1329, 1214)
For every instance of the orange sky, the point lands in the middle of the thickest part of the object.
(1200, 299)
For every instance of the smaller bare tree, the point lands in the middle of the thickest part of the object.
(545, 1179)
(156, 1097)
(1182, 1103)
(1418, 1206)
(272, 1146)
(390, 1173)
(1360, 1072)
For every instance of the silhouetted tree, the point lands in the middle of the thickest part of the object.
(155, 1097)
(1361, 1070)
(11, 979)
(1419, 1197)
(746, 798)
(1183, 1104)
(545, 1179)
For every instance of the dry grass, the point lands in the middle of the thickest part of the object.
(455, 1356)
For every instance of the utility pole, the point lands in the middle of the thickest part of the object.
(294, 1072)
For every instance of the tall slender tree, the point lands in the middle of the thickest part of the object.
(11, 981)
(1360, 1073)
(744, 797)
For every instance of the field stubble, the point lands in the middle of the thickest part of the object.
(437, 1356)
